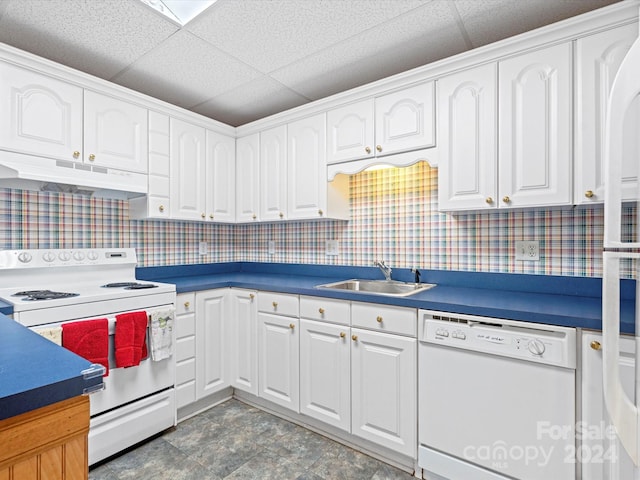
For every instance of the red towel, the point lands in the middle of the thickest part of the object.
(89, 339)
(130, 339)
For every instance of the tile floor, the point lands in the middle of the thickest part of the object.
(236, 441)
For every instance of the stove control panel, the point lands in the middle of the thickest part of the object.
(38, 258)
(535, 342)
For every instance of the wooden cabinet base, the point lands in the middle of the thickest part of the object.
(50, 442)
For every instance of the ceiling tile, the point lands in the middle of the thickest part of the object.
(185, 71)
(257, 99)
(270, 34)
(97, 37)
(487, 21)
(399, 45)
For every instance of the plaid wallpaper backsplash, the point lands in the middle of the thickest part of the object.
(394, 217)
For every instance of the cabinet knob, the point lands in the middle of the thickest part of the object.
(354, 338)
(281, 215)
(320, 212)
(254, 216)
(92, 157)
(488, 200)
(506, 199)
(342, 334)
(161, 208)
(596, 345)
(379, 319)
(379, 148)
(367, 149)
(251, 296)
(321, 310)
(275, 304)
(292, 326)
(211, 216)
(588, 194)
(203, 215)
(187, 304)
(76, 154)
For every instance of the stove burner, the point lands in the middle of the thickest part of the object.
(130, 285)
(32, 295)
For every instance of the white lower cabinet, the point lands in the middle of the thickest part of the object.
(185, 351)
(278, 349)
(210, 344)
(598, 450)
(242, 340)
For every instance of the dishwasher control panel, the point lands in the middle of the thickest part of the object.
(535, 342)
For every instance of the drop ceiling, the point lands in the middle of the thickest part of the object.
(242, 60)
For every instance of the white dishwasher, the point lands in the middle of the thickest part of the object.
(496, 399)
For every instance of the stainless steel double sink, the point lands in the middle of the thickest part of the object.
(379, 287)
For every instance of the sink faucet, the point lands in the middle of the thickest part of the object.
(385, 269)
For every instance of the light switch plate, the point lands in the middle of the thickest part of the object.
(271, 247)
(331, 248)
(203, 248)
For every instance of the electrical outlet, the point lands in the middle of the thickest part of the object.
(331, 248)
(203, 248)
(271, 247)
(528, 250)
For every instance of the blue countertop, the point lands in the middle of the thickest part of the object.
(35, 372)
(555, 300)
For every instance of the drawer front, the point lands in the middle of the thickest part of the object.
(185, 303)
(185, 394)
(185, 372)
(385, 318)
(185, 348)
(185, 325)
(325, 309)
(278, 303)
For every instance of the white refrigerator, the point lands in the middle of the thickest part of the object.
(621, 257)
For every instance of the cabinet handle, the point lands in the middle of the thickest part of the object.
(92, 157)
(342, 334)
(254, 216)
(367, 149)
(161, 208)
(488, 200)
(186, 305)
(211, 216)
(281, 215)
(588, 194)
(506, 199)
(292, 326)
(251, 296)
(596, 345)
(354, 338)
(76, 154)
(275, 304)
(321, 310)
(379, 148)
(203, 215)
(379, 319)
(320, 212)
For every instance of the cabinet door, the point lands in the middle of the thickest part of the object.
(325, 378)
(383, 390)
(598, 59)
(404, 120)
(115, 133)
(242, 332)
(307, 168)
(221, 177)
(39, 115)
(603, 456)
(534, 112)
(279, 363)
(273, 174)
(188, 180)
(467, 138)
(248, 178)
(350, 130)
(210, 348)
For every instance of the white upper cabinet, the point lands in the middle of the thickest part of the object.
(221, 177)
(115, 133)
(188, 179)
(307, 168)
(392, 123)
(39, 115)
(597, 62)
(273, 174)
(535, 129)
(248, 178)
(467, 136)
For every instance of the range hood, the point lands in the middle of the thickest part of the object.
(404, 159)
(28, 172)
